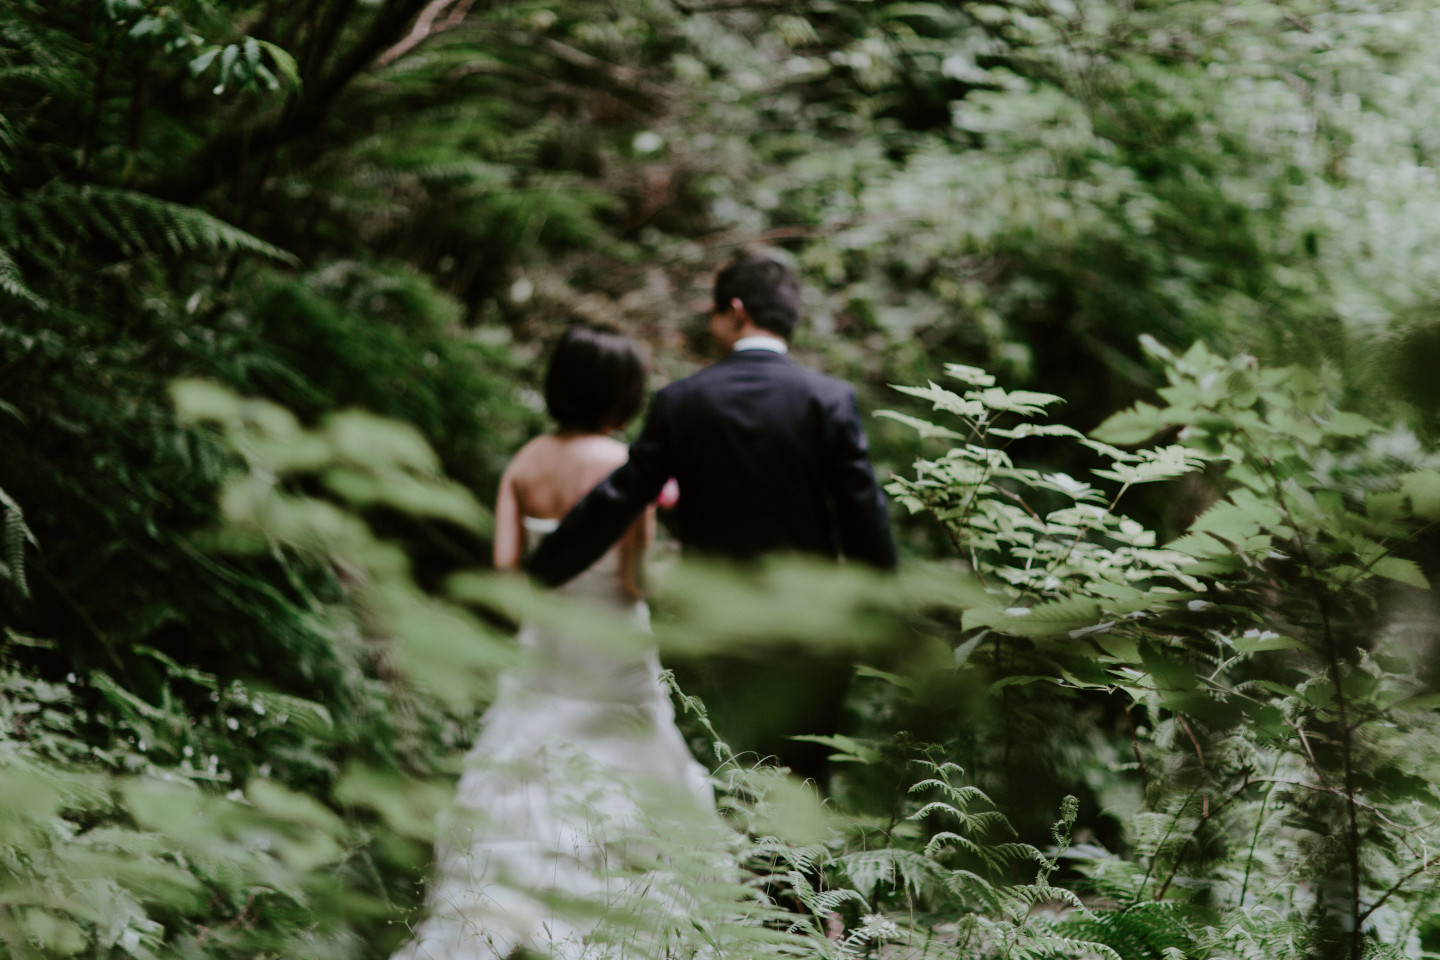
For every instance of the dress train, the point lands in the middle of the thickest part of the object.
(553, 845)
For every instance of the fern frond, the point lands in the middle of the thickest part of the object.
(947, 770)
(1040, 946)
(520, 148)
(800, 859)
(464, 173)
(1002, 854)
(937, 806)
(1146, 929)
(826, 902)
(20, 36)
(29, 224)
(959, 795)
(8, 135)
(945, 838)
(867, 869)
(988, 821)
(13, 282)
(135, 222)
(971, 887)
(1033, 894)
(15, 534)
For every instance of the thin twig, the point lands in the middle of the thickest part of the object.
(425, 27)
(1397, 885)
(1350, 798)
(1135, 746)
(717, 5)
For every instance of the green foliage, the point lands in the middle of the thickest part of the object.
(1272, 642)
(392, 206)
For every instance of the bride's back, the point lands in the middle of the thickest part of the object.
(595, 384)
(550, 473)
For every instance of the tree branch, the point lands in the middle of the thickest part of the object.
(717, 5)
(1395, 888)
(225, 153)
(425, 26)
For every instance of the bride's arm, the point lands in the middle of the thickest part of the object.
(632, 552)
(509, 532)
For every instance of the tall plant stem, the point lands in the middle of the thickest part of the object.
(97, 99)
(1342, 707)
(1205, 817)
(1255, 835)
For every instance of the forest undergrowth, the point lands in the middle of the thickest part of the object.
(1270, 667)
(1152, 684)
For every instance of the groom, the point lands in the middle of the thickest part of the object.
(770, 457)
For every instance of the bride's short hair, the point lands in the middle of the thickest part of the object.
(596, 380)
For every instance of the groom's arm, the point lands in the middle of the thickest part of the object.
(861, 514)
(603, 515)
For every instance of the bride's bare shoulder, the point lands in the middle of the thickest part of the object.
(551, 472)
(600, 450)
(551, 451)
(533, 451)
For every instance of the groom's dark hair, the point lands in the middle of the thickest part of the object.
(596, 380)
(766, 287)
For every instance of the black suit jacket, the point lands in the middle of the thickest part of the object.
(769, 456)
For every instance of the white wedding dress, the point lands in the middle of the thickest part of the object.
(553, 844)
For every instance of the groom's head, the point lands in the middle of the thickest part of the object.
(766, 288)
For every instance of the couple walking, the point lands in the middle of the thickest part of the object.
(769, 457)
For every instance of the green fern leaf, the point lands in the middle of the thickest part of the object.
(137, 222)
(16, 535)
(13, 282)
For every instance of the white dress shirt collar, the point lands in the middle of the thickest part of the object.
(762, 342)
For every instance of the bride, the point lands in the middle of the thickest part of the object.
(556, 815)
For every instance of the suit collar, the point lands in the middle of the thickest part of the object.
(755, 356)
(761, 342)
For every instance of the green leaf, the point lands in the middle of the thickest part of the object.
(418, 496)
(847, 749)
(409, 807)
(943, 399)
(1123, 648)
(1398, 568)
(1166, 463)
(1259, 641)
(368, 440)
(1131, 427)
(894, 679)
(311, 718)
(1035, 430)
(12, 281)
(146, 26)
(59, 936)
(283, 61)
(1267, 720)
(1168, 674)
(924, 427)
(974, 376)
(228, 58)
(1346, 424)
(202, 63)
(1025, 402)
(1050, 620)
(1422, 488)
(1213, 709)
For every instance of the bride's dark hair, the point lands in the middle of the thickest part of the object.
(596, 380)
